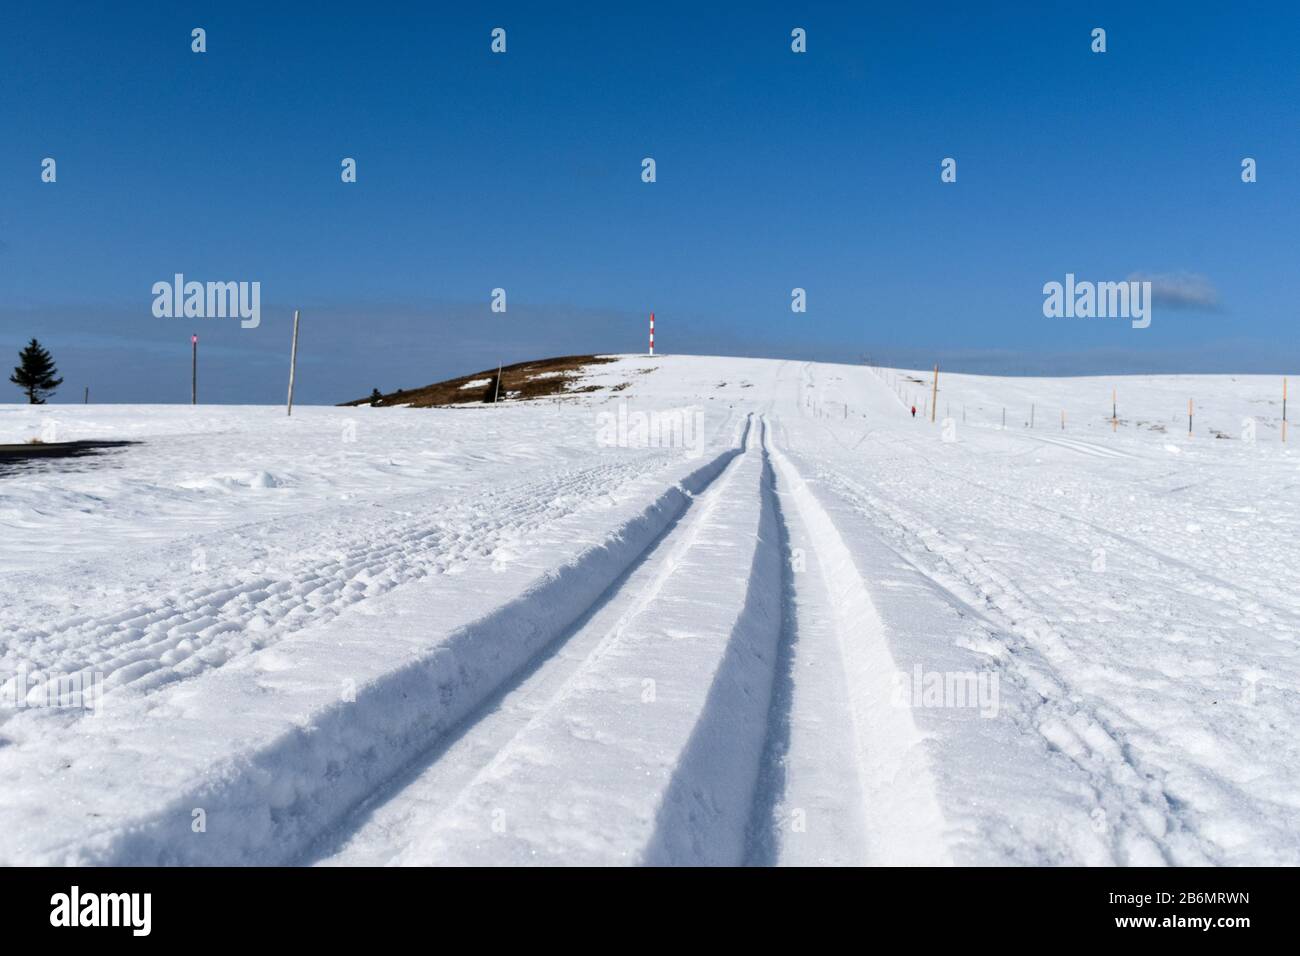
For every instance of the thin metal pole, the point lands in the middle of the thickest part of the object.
(293, 360)
(496, 392)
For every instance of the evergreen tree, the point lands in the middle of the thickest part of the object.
(35, 373)
(375, 397)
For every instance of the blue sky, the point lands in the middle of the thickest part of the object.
(522, 171)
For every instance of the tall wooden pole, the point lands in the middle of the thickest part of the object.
(496, 392)
(293, 360)
(934, 394)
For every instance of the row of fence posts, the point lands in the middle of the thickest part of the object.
(929, 405)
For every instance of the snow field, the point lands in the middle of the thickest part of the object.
(674, 697)
(840, 636)
(275, 747)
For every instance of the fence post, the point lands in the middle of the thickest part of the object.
(293, 360)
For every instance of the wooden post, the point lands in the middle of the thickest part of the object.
(496, 391)
(293, 360)
(1189, 418)
(86, 398)
(934, 395)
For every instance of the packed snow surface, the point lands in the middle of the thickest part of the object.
(716, 611)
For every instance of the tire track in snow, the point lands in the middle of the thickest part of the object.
(1140, 816)
(1228, 589)
(162, 634)
(392, 822)
(288, 767)
(1137, 794)
(599, 773)
(856, 786)
(1083, 447)
(1234, 592)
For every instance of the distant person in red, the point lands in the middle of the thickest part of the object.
(913, 411)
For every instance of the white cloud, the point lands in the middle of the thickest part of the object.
(1180, 290)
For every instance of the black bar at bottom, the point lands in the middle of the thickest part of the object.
(1218, 907)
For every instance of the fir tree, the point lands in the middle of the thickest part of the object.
(35, 373)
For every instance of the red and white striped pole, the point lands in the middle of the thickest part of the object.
(652, 333)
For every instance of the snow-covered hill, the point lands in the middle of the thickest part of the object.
(714, 611)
